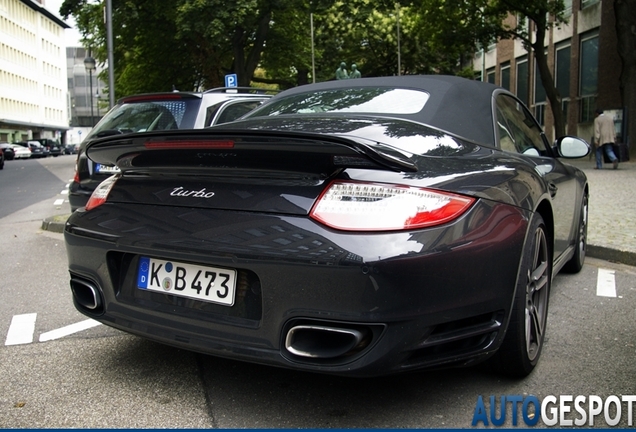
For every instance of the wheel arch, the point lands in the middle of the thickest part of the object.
(545, 210)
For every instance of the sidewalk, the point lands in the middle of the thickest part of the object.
(612, 210)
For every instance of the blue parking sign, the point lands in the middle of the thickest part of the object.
(231, 80)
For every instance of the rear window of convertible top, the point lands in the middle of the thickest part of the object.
(363, 100)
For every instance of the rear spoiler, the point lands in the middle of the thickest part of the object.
(195, 149)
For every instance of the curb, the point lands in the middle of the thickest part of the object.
(612, 255)
(57, 223)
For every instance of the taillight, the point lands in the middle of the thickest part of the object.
(101, 193)
(353, 206)
(76, 177)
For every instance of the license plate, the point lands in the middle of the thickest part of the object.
(106, 169)
(209, 284)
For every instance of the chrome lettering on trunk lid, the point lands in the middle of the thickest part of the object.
(180, 191)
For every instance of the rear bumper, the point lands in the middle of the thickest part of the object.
(420, 299)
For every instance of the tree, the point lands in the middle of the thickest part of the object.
(625, 13)
(229, 36)
(287, 58)
(544, 15)
(187, 44)
(452, 29)
(365, 32)
(146, 60)
(192, 44)
(455, 26)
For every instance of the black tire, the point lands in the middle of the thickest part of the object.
(575, 264)
(522, 345)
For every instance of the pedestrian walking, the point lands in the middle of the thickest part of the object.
(604, 139)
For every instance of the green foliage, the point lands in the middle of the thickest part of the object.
(192, 44)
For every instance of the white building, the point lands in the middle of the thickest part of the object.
(34, 100)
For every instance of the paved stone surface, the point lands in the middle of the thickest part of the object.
(612, 210)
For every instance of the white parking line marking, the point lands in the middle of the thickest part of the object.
(21, 329)
(68, 330)
(605, 283)
(64, 192)
(59, 202)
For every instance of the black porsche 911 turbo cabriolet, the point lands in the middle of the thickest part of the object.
(362, 227)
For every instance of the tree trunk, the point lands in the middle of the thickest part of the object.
(238, 49)
(626, 34)
(548, 83)
(244, 66)
(303, 76)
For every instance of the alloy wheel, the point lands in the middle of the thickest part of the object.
(537, 296)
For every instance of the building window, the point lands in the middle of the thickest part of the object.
(522, 80)
(587, 3)
(539, 96)
(562, 72)
(567, 7)
(539, 90)
(490, 75)
(565, 104)
(589, 77)
(505, 76)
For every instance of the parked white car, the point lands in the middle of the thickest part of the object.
(21, 152)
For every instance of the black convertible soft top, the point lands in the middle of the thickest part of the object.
(457, 105)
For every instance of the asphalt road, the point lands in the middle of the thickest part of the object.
(25, 182)
(102, 378)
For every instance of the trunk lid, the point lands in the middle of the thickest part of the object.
(230, 169)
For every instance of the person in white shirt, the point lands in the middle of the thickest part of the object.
(604, 139)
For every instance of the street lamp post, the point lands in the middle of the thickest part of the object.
(313, 57)
(97, 101)
(399, 49)
(89, 64)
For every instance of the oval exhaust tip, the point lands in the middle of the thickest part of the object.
(322, 341)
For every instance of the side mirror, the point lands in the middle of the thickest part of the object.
(572, 147)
